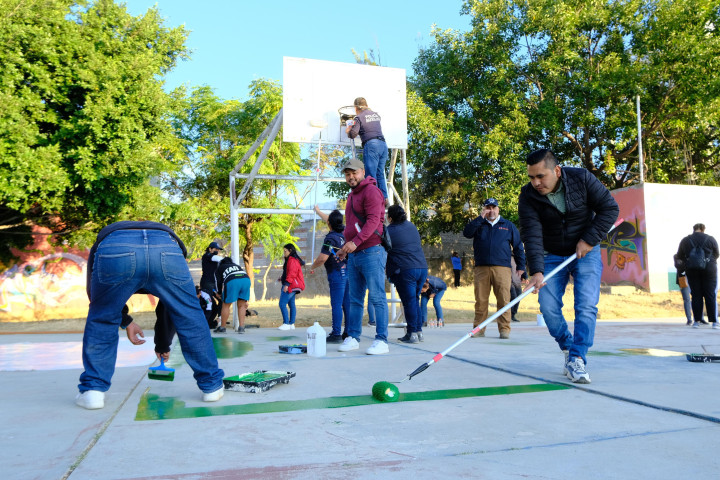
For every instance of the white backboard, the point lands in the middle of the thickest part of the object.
(313, 90)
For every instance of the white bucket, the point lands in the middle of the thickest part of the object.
(540, 320)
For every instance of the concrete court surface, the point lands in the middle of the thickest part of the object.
(649, 413)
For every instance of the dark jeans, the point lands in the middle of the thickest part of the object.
(514, 292)
(457, 277)
(703, 284)
(339, 298)
(408, 284)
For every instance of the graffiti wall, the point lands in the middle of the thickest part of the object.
(48, 282)
(625, 249)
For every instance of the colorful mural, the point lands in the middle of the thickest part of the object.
(625, 248)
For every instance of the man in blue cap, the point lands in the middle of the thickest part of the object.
(495, 241)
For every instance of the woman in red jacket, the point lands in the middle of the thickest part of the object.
(292, 284)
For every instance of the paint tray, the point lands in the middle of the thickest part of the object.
(297, 348)
(702, 357)
(255, 382)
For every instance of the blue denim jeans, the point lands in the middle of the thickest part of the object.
(408, 284)
(586, 274)
(339, 298)
(375, 155)
(366, 272)
(436, 303)
(287, 299)
(687, 303)
(125, 262)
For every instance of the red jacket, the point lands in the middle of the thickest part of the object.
(367, 201)
(293, 276)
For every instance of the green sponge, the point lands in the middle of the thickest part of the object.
(386, 392)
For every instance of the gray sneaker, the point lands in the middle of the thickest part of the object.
(421, 337)
(576, 371)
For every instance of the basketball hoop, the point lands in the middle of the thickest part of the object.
(346, 113)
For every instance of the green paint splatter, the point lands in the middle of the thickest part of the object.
(282, 339)
(229, 348)
(154, 407)
(256, 377)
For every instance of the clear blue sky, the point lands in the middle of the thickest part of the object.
(237, 41)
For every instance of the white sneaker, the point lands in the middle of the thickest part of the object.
(91, 399)
(378, 347)
(214, 396)
(576, 371)
(285, 326)
(348, 344)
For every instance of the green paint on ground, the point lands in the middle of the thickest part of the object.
(154, 407)
(282, 339)
(607, 354)
(229, 348)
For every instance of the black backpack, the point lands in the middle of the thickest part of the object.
(697, 258)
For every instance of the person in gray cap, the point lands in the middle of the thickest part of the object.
(366, 257)
(495, 241)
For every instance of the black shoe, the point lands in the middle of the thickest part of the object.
(689, 322)
(372, 324)
(240, 330)
(704, 322)
(411, 338)
(515, 319)
(404, 338)
(344, 336)
(220, 330)
(334, 339)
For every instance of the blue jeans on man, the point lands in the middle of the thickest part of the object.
(436, 303)
(125, 262)
(339, 298)
(287, 299)
(408, 284)
(366, 272)
(375, 156)
(586, 274)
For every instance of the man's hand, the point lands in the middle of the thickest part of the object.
(536, 280)
(520, 274)
(349, 247)
(165, 356)
(285, 289)
(135, 334)
(582, 248)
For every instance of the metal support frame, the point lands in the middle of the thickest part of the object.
(268, 135)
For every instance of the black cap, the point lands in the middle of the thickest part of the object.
(216, 245)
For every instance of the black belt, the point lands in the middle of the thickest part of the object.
(374, 138)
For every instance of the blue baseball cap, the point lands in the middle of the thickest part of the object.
(490, 202)
(215, 245)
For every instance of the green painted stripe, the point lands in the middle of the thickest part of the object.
(154, 407)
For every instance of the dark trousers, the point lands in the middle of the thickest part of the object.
(702, 285)
(457, 277)
(514, 292)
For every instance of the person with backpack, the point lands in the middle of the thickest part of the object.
(700, 252)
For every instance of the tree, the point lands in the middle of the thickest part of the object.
(82, 111)
(563, 75)
(215, 135)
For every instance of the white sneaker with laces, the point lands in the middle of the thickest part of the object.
(716, 326)
(576, 371)
(90, 399)
(284, 326)
(214, 396)
(348, 344)
(378, 347)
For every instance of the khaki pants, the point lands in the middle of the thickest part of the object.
(499, 278)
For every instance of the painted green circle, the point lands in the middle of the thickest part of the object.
(386, 392)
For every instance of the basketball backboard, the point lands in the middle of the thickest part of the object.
(314, 91)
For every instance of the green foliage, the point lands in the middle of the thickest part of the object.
(562, 75)
(82, 110)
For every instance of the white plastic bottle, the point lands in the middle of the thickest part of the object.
(316, 341)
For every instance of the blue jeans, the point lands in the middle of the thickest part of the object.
(375, 155)
(586, 274)
(339, 298)
(687, 303)
(287, 299)
(408, 284)
(436, 303)
(366, 272)
(125, 262)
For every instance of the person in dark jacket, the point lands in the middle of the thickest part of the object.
(407, 269)
(702, 282)
(565, 211)
(495, 241)
(232, 286)
(128, 257)
(293, 283)
(375, 151)
(433, 288)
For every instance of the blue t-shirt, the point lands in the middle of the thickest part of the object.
(333, 242)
